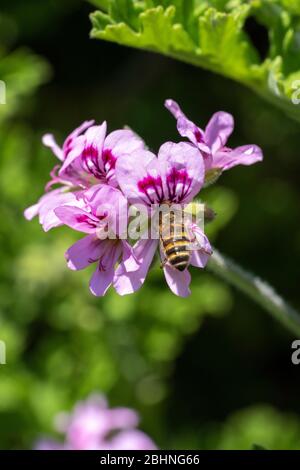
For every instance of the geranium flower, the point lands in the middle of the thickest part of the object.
(87, 158)
(100, 176)
(94, 426)
(103, 218)
(93, 156)
(212, 142)
(175, 176)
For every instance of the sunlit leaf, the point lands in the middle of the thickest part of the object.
(213, 35)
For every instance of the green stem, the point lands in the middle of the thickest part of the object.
(257, 289)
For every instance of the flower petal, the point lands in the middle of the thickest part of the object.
(182, 171)
(49, 141)
(187, 128)
(122, 418)
(74, 134)
(72, 139)
(133, 169)
(123, 141)
(178, 281)
(129, 260)
(202, 248)
(71, 157)
(103, 277)
(46, 205)
(199, 259)
(245, 155)
(95, 137)
(218, 130)
(32, 211)
(131, 439)
(117, 143)
(127, 282)
(174, 109)
(89, 149)
(49, 444)
(77, 218)
(109, 203)
(84, 252)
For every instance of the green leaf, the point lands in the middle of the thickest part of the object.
(103, 4)
(211, 34)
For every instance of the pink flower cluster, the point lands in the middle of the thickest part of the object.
(94, 426)
(101, 176)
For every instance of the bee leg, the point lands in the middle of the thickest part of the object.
(163, 263)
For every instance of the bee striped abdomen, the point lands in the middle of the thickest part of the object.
(174, 243)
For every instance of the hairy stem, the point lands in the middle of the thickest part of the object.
(257, 289)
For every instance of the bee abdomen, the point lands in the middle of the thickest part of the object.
(178, 240)
(174, 242)
(176, 252)
(179, 260)
(179, 246)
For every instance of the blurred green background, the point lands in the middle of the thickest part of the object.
(210, 371)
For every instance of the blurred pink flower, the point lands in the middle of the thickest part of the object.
(94, 426)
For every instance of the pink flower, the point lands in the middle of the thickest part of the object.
(44, 208)
(87, 157)
(103, 219)
(176, 176)
(49, 444)
(212, 141)
(69, 144)
(100, 176)
(94, 426)
(92, 157)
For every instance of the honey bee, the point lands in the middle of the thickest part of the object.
(176, 242)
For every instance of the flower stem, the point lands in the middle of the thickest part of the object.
(257, 289)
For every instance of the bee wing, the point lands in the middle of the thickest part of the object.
(200, 211)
